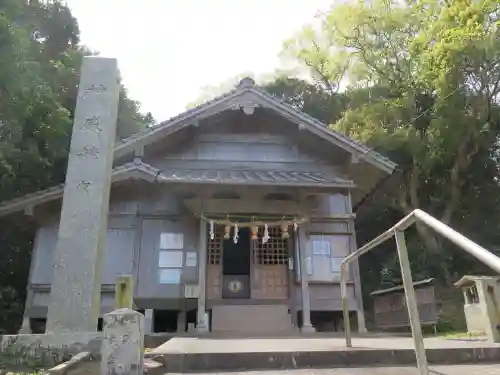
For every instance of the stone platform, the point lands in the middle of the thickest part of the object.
(209, 354)
(435, 370)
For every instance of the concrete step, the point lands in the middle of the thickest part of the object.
(441, 370)
(251, 319)
(211, 355)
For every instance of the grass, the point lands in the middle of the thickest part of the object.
(460, 335)
(18, 359)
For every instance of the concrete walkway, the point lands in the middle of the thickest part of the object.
(189, 354)
(435, 370)
(249, 345)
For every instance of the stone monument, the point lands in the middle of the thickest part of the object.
(76, 286)
(123, 343)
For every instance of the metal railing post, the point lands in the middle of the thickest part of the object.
(480, 253)
(345, 305)
(411, 303)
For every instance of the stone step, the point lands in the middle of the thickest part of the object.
(206, 355)
(442, 370)
(251, 319)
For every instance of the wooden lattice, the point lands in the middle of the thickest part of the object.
(215, 248)
(274, 251)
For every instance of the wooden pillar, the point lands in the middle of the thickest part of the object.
(307, 327)
(201, 319)
(292, 244)
(149, 321)
(181, 321)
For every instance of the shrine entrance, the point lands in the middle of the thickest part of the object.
(248, 268)
(236, 261)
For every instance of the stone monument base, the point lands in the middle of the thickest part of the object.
(52, 348)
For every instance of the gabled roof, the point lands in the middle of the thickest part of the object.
(399, 288)
(134, 170)
(247, 96)
(139, 170)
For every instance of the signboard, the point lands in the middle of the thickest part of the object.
(174, 241)
(170, 259)
(191, 291)
(335, 264)
(191, 259)
(321, 247)
(169, 276)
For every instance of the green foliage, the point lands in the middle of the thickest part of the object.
(423, 87)
(30, 359)
(40, 61)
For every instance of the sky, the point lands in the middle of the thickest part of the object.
(168, 50)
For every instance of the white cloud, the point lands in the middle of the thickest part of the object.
(168, 50)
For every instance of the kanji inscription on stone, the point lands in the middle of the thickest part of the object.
(75, 291)
(89, 151)
(84, 185)
(91, 123)
(95, 88)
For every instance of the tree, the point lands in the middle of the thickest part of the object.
(428, 72)
(39, 74)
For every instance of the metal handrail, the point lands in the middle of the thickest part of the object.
(397, 231)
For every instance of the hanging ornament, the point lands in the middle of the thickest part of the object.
(265, 237)
(212, 234)
(254, 232)
(284, 231)
(295, 226)
(236, 236)
(227, 232)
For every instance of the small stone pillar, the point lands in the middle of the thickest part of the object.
(124, 292)
(122, 350)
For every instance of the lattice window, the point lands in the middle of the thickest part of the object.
(274, 251)
(215, 247)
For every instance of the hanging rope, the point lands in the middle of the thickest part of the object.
(254, 221)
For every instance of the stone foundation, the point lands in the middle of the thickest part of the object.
(51, 349)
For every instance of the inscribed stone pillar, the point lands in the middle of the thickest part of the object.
(307, 327)
(122, 347)
(76, 286)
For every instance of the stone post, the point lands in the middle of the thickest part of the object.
(307, 327)
(124, 292)
(76, 285)
(201, 319)
(122, 350)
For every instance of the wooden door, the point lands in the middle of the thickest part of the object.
(214, 265)
(270, 266)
